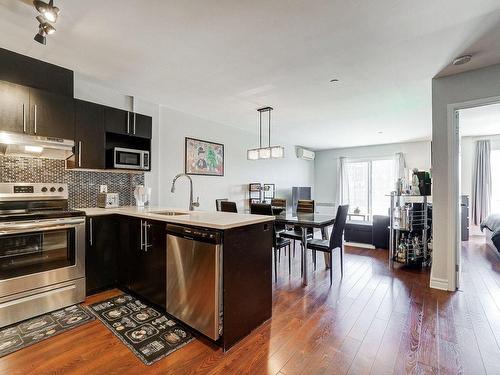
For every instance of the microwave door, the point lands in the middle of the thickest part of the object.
(127, 159)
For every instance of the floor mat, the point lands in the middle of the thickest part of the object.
(20, 335)
(149, 334)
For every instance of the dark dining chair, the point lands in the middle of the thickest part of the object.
(295, 234)
(336, 240)
(217, 203)
(227, 206)
(278, 203)
(278, 242)
(305, 206)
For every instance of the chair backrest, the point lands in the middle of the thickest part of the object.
(261, 209)
(305, 205)
(338, 228)
(277, 202)
(227, 206)
(217, 203)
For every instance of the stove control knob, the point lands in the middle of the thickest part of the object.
(61, 189)
(44, 189)
(52, 189)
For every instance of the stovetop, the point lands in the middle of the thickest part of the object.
(39, 215)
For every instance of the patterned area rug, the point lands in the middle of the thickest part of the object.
(149, 334)
(20, 335)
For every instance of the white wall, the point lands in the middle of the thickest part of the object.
(239, 171)
(447, 91)
(417, 154)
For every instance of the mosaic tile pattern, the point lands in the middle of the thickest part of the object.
(83, 186)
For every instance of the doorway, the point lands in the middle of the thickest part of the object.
(478, 135)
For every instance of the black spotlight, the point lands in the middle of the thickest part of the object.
(48, 11)
(40, 37)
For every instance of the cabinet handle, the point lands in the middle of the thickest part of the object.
(34, 110)
(128, 128)
(145, 236)
(91, 229)
(142, 235)
(24, 118)
(79, 153)
(134, 123)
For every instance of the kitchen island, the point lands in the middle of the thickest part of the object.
(127, 247)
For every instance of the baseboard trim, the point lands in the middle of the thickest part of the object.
(359, 244)
(437, 283)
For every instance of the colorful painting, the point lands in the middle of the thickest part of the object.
(204, 158)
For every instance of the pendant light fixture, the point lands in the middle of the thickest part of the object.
(269, 152)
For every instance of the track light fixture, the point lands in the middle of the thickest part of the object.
(40, 36)
(47, 27)
(48, 11)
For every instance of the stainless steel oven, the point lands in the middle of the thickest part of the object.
(127, 158)
(42, 259)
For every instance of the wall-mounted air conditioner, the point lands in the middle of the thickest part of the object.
(305, 154)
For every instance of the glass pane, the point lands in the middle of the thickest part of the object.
(24, 254)
(128, 158)
(495, 182)
(383, 182)
(357, 177)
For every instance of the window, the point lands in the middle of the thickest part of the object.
(368, 183)
(495, 182)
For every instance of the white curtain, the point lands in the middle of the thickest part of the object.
(399, 166)
(342, 192)
(481, 182)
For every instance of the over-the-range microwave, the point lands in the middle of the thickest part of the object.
(127, 158)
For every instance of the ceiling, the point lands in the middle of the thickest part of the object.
(480, 121)
(223, 59)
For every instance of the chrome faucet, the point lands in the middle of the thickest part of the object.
(192, 204)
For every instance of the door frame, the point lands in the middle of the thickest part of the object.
(454, 229)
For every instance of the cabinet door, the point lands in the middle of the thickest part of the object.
(128, 251)
(142, 126)
(52, 115)
(89, 137)
(14, 107)
(117, 121)
(153, 264)
(100, 258)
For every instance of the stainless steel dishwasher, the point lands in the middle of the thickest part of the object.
(194, 278)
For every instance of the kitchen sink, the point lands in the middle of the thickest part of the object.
(170, 213)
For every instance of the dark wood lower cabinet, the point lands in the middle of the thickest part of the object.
(142, 258)
(100, 257)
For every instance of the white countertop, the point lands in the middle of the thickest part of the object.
(215, 220)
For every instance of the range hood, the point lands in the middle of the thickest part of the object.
(17, 144)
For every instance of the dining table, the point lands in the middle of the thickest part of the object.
(306, 221)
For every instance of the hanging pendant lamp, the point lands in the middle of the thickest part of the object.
(269, 152)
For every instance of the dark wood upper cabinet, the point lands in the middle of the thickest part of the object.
(90, 138)
(142, 126)
(14, 107)
(116, 121)
(52, 115)
(27, 71)
(122, 122)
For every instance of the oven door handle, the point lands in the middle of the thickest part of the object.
(17, 228)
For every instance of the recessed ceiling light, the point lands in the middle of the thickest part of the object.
(334, 80)
(462, 60)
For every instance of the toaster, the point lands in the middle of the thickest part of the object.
(108, 200)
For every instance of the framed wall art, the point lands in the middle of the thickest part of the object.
(203, 158)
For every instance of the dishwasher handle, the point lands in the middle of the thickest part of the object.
(195, 234)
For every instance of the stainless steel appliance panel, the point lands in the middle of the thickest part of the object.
(194, 281)
(22, 230)
(35, 302)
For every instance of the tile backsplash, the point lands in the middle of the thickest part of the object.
(83, 186)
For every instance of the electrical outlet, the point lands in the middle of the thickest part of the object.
(103, 188)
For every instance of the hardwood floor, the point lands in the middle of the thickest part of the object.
(373, 321)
